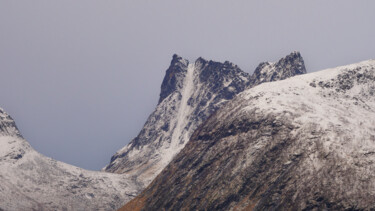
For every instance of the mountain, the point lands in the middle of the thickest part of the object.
(190, 93)
(31, 181)
(304, 143)
(286, 67)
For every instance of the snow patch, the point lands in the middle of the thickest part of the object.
(184, 111)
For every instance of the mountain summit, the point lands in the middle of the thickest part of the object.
(304, 143)
(286, 67)
(190, 93)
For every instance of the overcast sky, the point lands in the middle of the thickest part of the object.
(81, 77)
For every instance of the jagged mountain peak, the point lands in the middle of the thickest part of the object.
(202, 60)
(286, 67)
(293, 55)
(190, 93)
(292, 63)
(7, 125)
(177, 59)
(176, 72)
(173, 77)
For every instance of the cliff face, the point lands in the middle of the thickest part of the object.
(190, 93)
(31, 181)
(303, 143)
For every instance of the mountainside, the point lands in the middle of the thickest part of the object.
(303, 143)
(190, 93)
(31, 181)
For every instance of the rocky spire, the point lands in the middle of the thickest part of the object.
(174, 76)
(286, 67)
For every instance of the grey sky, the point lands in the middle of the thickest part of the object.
(81, 77)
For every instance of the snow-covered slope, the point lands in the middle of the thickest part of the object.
(304, 143)
(31, 181)
(190, 93)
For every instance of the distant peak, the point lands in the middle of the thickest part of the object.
(295, 55)
(201, 60)
(176, 59)
(173, 76)
(4, 115)
(7, 125)
(286, 67)
(292, 62)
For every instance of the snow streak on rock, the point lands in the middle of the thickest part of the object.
(183, 114)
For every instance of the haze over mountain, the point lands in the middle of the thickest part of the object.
(304, 143)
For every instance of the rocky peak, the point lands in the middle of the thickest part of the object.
(190, 93)
(174, 76)
(291, 64)
(7, 125)
(226, 79)
(215, 73)
(286, 67)
(201, 60)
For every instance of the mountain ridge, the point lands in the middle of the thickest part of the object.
(190, 93)
(302, 143)
(32, 181)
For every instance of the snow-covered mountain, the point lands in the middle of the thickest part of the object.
(304, 143)
(31, 181)
(190, 93)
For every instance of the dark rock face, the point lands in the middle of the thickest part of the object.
(219, 82)
(173, 77)
(285, 145)
(286, 67)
